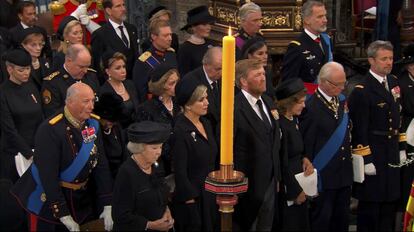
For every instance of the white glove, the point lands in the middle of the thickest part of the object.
(81, 10)
(370, 170)
(84, 20)
(91, 26)
(69, 223)
(403, 156)
(106, 215)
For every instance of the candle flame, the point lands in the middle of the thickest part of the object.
(229, 31)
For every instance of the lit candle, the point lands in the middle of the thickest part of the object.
(227, 99)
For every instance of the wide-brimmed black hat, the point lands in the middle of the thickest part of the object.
(184, 89)
(62, 25)
(160, 71)
(289, 88)
(19, 57)
(408, 55)
(198, 15)
(109, 107)
(22, 34)
(148, 132)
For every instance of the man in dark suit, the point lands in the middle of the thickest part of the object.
(312, 49)
(375, 113)
(75, 69)
(159, 52)
(26, 11)
(209, 74)
(115, 35)
(325, 128)
(256, 148)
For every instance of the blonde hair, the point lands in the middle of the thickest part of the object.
(197, 94)
(30, 38)
(65, 44)
(157, 88)
(243, 67)
(155, 25)
(160, 13)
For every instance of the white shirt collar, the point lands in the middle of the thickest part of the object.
(328, 98)
(116, 25)
(24, 25)
(250, 98)
(379, 78)
(313, 36)
(208, 78)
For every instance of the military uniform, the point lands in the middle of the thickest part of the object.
(241, 38)
(304, 58)
(145, 64)
(55, 86)
(375, 113)
(319, 122)
(46, 192)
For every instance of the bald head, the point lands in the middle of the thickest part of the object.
(77, 61)
(212, 63)
(80, 100)
(332, 78)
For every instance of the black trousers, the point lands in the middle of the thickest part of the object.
(376, 216)
(330, 210)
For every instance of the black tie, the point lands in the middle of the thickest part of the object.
(123, 36)
(215, 90)
(262, 113)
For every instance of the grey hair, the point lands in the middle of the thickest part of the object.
(74, 50)
(248, 8)
(135, 148)
(326, 70)
(308, 6)
(72, 91)
(377, 45)
(209, 55)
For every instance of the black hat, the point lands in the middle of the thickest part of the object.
(249, 43)
(288, 88)
(156, 10)
(22, 34)
(148, 132)
(184, 89)
(408, 57)
(18, 57)
(106, 56)
(160, 71)
(109, 106)
(62, 26)
(198, 15)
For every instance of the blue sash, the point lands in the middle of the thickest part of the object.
(327, 40)
(152, 62)
(331, 147)
(35, 201)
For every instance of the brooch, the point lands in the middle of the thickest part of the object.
(310, 57)
(193, 134)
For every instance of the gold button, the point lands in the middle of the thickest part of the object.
(390, 128)
(343, 158)
(342, 148)
(389, 136)
(76, 181)
(55, 206)
(68, 128)
(390, 120)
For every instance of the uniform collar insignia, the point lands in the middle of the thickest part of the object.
(73, 121)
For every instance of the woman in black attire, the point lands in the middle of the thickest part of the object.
(161, 107)
(139, 199)
(191, 52)
(293, 205)
(109, 108)
(194, 153)
(256, 48)
(33, 41)
(21, 111)
(114, 65)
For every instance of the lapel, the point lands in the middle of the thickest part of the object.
(212, 101)
(313, 46)
(251, 117)
(323, 106)
(325, 50)
(114, 38)
(378, 89)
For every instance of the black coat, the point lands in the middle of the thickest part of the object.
(6, 43)
(304, 58)
(106, 38)
(256, 154)
(407, 100)
(47, 49)
(190, 56)
(138, 198)
(317, 124)
(55, 86)
(374, 111)
(43, 71)
(57, 143)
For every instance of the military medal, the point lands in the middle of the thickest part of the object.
(88, 134)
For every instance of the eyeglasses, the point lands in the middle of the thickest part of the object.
(337, 85)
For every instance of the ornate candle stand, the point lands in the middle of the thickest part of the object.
(226, 183)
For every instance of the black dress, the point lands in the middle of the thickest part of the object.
(114, 142)
(154, 110)
(190, 55)
(193, 158)
(137, 198)
(21, 114)
(294, 217)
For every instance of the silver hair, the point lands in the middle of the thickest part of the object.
(377, 45)
(209, 55)
(308, 6)
(72, 92)
(74, 50)
(248, 8)
(135, 148)
(326, 70)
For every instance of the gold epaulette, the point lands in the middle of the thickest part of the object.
(260, 32)
(361, 150)
(51, 76)
(95, 116)
(170, 49)
(57, 8)
(402, 137)
(92, 70)
(295, 42)
(359, 86)
(144, 56)
(55, 119)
